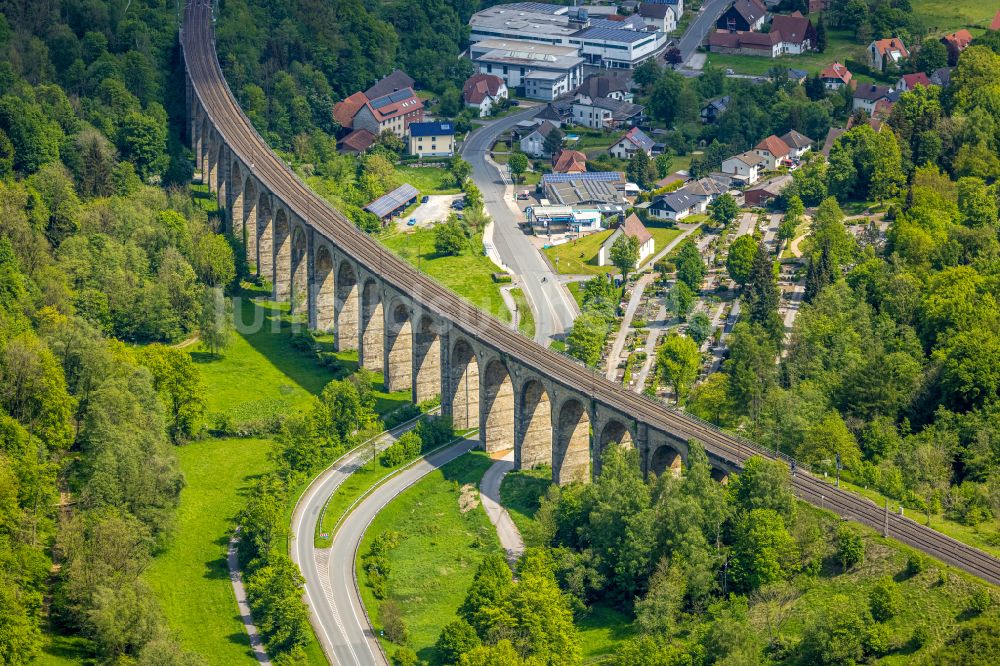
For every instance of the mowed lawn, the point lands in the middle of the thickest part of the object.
(470, 274)
(428, 180)
(261, 366)
(579, 257)
(440, 549)
(190, 579)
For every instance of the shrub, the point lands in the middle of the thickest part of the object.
(850, 546)
(876, 640)
(394, 455)
(980, 601)
(883, 600)
(920, 636)
(393, 625)
(435, 431)
(405, 656)
(502, 278)
(915, 563)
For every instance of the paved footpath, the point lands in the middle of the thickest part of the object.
(489, 494)
(256, 644)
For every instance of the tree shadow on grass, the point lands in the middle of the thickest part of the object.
(240, 638)
(270, 335)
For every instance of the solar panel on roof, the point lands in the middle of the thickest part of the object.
(391, 98)
(605, 176)
(387, 203)
(614, 34)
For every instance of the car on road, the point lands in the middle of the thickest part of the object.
(424, 199)
(411, 222)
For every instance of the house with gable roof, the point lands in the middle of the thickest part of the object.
(483, 91)
(633, 228)
(774, 151)
(569, 161)
(836, 76)
(632, 141)
(745, 168)
(393, 112)
(798, 143)
(742, 16)
(884, 54)
(956, 42)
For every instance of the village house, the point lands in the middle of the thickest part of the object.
(885, 54)
(605, 113)
(393, 82)
(356, 142)
(773, 152)
(789, 35)
(745, 168)
(632, 142)
(715, 108)
(483, 91)
(633, 228)
(691, 199)
(995, 23)
(533, 143)
(569, 161)
(660, 15)
(941, 77)
(836, 76)
(798, 143)
(908, 82)
(868, 97)
(393, 112)
(742, 16)
(763, 193)
(432, 139)
(956, 42)
(597, 86)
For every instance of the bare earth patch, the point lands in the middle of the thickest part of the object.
(468, 498)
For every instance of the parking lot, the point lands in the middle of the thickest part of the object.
(435, 210)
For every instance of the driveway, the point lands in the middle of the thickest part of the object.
(435, 210)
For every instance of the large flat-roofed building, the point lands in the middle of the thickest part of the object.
(592, 188)
(553, 70)
(601, 42)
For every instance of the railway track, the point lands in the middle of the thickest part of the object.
(218, 102)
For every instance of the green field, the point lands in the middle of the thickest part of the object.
(440, 549)
(469, 274)
(191, 579)
(941, 17)
(428, 180)
(579, 257)
(527, 318)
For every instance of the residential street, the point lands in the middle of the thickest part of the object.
(700, 26)
(553, 306)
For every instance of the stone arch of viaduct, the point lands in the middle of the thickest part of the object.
(511, 402)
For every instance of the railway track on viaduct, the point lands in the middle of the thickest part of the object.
(208, 88)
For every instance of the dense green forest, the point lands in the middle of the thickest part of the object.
(99, 247)
(890, 362)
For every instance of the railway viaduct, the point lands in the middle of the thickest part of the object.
(424, 338)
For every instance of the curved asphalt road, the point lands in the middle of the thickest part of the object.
(314, 562)
(337, 612)
(553, 306)
(700, 26)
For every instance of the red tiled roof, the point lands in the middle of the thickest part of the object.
(395, 104)
(358, 141)
(884, 46)
(570, 161)
(738, 40)
(918, 79)
(995, 23)
(837, 71)
(959, 39)
(344, 111)
(478, 86)
(773, 145)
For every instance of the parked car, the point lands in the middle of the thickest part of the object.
(424, 199)
(458, 205)
(411, 222)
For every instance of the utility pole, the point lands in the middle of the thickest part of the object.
(838, 470)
